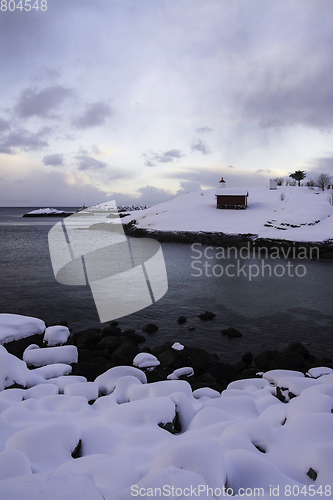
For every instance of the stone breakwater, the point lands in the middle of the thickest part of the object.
(101, 349)
(325, 248)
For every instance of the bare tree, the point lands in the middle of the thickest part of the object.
(279, 181)
(322, 181)
(310, 184)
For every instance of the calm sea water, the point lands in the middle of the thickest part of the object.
(270, 311)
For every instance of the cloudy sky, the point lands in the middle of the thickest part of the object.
(139, 100)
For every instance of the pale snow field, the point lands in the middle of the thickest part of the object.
(307, 209)
(244, 439)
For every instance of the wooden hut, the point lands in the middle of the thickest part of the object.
(231, 198)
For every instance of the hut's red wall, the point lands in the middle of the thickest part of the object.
(231, 200)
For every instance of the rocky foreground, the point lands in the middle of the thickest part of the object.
(101, 349)
(90, 417)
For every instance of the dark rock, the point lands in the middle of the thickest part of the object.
(94, 368)
(129, 331)
(250, 373)
(125, 354)
(247, 358)
(17, 347)
(136, 338)
(323, 362)
(111, 330)
(76, 453)
(312, 474)
(150, 328)
(231, 332)
(182, 319)
(173, 427)
(207, 315)
(224, 374)
(206, 380)
(158, 373)
(196, 358)
(111, 343)
(88, 337)
(264, 359)
(240, 367)
(298, 348)
(279, 395)
(86, 355)
(161, 348)
(290, 361)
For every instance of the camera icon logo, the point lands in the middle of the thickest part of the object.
(125, 274)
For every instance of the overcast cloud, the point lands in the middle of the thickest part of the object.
(147, 100)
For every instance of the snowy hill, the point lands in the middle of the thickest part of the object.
(290, 213)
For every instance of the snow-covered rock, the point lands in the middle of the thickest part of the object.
(145, 360)
(36, 356)
(177, 346)
(56, 335)
(137, 436)
(187, 371)
(16, 327)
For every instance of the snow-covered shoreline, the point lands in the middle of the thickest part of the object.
(286, 214)
(65, 438)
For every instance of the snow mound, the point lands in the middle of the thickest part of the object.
(15, 327)
(187, 371)
(145, 360)
(177, 346)
(46, 211)
(118, 437)
(36, 356)
(56, 335)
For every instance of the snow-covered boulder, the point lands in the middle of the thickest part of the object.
(177, 346)
(35, 356)
(56, 335)
(185, 372)
(145, 360)
(16, 327)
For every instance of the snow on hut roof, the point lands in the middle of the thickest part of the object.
(232, 192)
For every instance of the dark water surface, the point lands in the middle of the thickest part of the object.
(270, 311)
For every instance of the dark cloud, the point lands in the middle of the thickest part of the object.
(323, 164)
(188, 187)
(55, 160)
(274, 123)
(200, 130)
(201, 146)
(151, 195)
(4, 125)
(89, 163)
(94, 149)
(231, 166)
(263, 170)
(24, 140)
(50, 189)
(94, 115)
(152, 158)
(42, 103)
